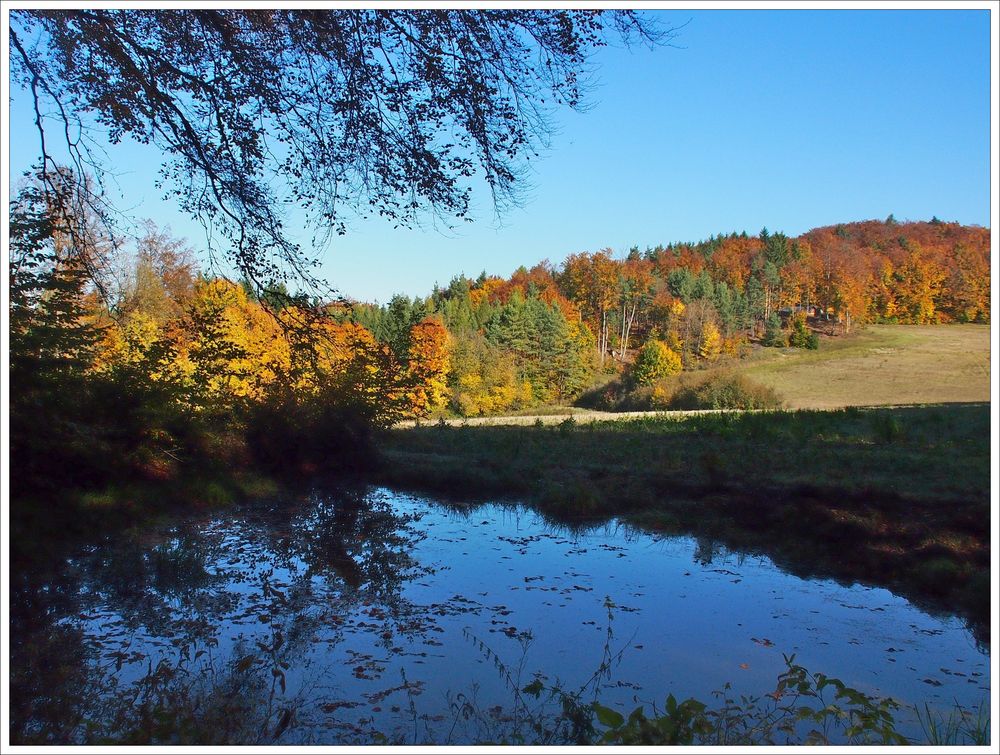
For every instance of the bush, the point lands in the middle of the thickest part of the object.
(725, 391)
(655, 360)
(801, 337)
(688, 390)
(291, 435)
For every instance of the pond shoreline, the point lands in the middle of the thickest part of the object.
(859, 518)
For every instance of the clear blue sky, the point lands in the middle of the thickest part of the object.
(784, 119)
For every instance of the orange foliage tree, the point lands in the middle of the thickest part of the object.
(590, 281)
(428, 367)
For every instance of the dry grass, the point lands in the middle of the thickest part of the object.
(882, 365)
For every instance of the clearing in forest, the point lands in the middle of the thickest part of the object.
(882, 365)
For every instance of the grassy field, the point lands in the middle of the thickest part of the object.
(896, 497)
(881, 365)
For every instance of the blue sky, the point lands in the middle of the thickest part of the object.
(784, 119)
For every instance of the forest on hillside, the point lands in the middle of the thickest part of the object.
(543, 334)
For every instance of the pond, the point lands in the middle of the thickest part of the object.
(371, 616)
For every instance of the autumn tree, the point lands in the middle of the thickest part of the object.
(731, 261)
(161, 281)
(850, 283)
(918, 286)
(635, 288)
(428, 366)
(655, 360)
(696, 326)
(74, 424)
(237, 348)
(483, 379)
(709, 342)
(968, 285)
(883, 292)
(591, 282)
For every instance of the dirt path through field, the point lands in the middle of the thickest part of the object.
(582, 416)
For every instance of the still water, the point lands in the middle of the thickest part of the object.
(356, 616)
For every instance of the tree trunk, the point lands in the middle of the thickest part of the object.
(627, 323)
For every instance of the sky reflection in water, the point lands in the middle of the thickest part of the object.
(364, 611)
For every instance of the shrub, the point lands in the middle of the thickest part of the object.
(655, 360)
(660, 397)
(324, 434)
(801, 337)
(714, 389)
(725, 391)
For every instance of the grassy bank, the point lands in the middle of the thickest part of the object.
(891, 497)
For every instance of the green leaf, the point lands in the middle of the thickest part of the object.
(534, 689)
(608, 717)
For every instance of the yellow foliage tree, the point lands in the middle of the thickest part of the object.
(918, 286)
(710, 342)
(655, 360)
(158, 352)
(237, 348)
(428, 367)
(127, 343)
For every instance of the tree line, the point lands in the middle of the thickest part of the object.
(541, 335)
(158, 371)
(141, 357)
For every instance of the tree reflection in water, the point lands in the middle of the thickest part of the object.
(199, 631)
(312, 620)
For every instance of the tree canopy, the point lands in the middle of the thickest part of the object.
(343, 113)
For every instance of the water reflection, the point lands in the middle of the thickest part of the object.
(356, 614)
